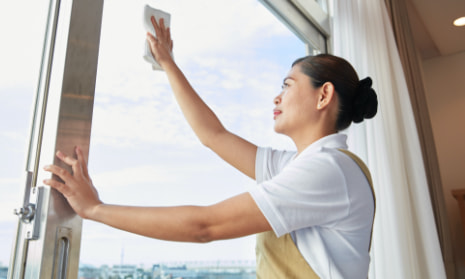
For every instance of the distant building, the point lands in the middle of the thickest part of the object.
(3, 272)
(173, 272)
(89, 272)
(197, 270)
(183, 272)
(124, 271)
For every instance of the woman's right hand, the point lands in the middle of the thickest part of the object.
(161, 45)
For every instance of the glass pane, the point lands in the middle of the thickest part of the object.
(22, 28)
(142, 152)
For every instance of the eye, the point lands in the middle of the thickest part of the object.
(285, 85)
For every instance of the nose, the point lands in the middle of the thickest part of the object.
(277, 99)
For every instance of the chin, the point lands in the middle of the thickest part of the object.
(278, 130)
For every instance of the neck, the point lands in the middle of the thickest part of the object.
(306, 139)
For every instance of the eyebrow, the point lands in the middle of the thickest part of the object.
(286, 78)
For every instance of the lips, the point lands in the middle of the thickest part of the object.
(276, 112)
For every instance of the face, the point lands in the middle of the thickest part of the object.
(295, 108)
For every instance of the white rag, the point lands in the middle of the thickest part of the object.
(148, 13)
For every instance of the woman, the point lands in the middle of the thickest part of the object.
(313, 208)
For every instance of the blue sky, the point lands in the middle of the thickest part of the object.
(235, 53)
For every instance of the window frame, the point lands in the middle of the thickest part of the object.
(307, 19)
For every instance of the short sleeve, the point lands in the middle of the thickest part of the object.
(309, 191)
(269, 162)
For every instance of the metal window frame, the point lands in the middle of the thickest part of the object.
(306, 19)
(48, 238)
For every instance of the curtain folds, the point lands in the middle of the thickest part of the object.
(405, 240)
(398, 13)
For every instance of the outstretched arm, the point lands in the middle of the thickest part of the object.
(232, 218)
(233, 149)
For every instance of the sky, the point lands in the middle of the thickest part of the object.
(142, 152)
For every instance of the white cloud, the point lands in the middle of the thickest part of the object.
(137, 175)
(22, 29)
(10, 198)
(198, 175)
(152, 121)
(13, 135)
(208, 26)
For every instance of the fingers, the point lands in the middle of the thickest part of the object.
(160, 30)
(60, 187)
(65, 158)
(60, 172)
(156, 27)
(78, 165)
(161, 45)
(154, 22)
(162, 24)
(152, 40)
(82, 161)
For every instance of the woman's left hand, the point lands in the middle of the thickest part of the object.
(76, 187)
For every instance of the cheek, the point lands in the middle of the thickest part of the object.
(306, 110)
(289, 98)
(309, 100)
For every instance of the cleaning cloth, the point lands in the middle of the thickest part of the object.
(158, 14)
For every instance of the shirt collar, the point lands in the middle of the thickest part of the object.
(335, 140)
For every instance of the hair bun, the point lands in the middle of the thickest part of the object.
(365, 104)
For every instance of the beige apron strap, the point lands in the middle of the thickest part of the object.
(365, 170)
(279, 258)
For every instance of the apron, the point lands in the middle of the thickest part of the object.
(280, 258)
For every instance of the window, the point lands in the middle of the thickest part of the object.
(309, 20)
(142, 150)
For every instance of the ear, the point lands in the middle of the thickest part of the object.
(325, 95)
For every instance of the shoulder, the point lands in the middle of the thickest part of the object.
(319, 168)
(271, 154)
(335, 159)
(269, 162)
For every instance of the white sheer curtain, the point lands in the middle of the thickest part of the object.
(405, 242)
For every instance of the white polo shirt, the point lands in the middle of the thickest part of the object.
(324, 200)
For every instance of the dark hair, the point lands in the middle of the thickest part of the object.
(357, 100)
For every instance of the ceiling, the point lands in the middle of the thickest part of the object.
(433, 31)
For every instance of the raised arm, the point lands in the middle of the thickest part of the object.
(230, 147)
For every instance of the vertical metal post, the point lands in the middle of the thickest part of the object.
(49, 232)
